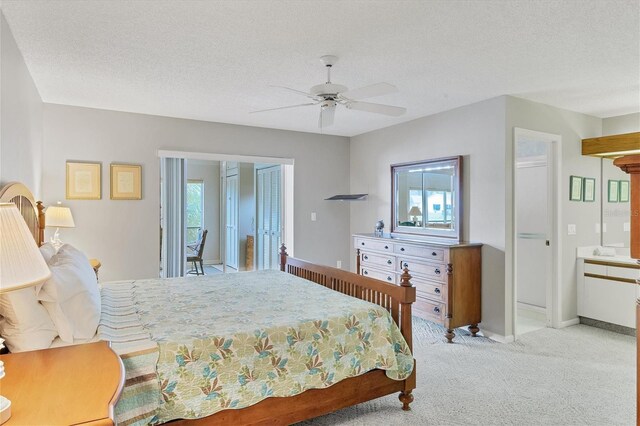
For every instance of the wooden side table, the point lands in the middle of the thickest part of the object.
(95, 264)
(63, 386)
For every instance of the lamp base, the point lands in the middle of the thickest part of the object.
(55, 240)
(5, 409)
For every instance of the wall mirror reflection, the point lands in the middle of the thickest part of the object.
(615, 219)
(426, 198)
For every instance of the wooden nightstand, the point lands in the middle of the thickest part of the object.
(95, 264)
(68, 385)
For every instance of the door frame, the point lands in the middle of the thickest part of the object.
(286, 184)
(554, 194)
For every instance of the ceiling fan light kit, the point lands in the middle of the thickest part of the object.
(330, 95)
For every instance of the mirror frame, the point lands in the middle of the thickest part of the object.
(450, 235)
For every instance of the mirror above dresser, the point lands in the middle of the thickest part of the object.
(426, 198)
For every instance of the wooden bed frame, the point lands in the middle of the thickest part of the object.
(395, 299)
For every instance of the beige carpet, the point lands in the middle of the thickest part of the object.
(574, 376)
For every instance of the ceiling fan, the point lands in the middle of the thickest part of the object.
(330, 95)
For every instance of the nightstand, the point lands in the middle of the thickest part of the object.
(95, 264)
(68, 385)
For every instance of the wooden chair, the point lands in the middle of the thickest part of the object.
(196, 258)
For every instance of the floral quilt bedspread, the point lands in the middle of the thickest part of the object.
(230, 341)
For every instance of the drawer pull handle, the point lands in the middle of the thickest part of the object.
(362, 243)
(389, 262)
(436, 310)
(437, 290)
(366, 257)
(389, 278)
(437, 271)
(401, 248)
(434, 253)
(366, 273)
(386, 247)
(405, 265)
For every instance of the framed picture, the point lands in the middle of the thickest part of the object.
(575, 188)
(589, 189)
(126, 182)
(624, 191)
(83, 181)
(614, 191)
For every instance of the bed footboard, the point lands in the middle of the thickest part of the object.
(396, 299)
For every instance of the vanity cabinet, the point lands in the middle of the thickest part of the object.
(447, 276)
(607, 290)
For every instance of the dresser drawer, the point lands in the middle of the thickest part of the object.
(389, 277)
(362, 243)
(426, 253)
(430, 289)
(436, 271)
(379, 261)
(429, 310)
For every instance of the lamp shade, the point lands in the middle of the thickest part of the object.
(59, 217)
(21, 264)
(415, 211)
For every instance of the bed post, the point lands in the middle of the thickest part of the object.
(283, 257)
(406, 329)
(41, 224)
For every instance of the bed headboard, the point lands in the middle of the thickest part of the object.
(31, 211)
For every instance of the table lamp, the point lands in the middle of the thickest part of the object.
(21, 266)
(59, 217)
(415, 211)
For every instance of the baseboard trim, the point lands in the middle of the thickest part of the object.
(534, 308)
(500, 338)
(569, 323)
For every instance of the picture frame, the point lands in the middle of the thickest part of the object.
(83, 180)
(623, 187)
(613, 191)
(575, 188)
(126, 181)
(589, 190)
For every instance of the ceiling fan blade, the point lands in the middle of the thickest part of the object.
(326, 116)
(284, 107)
(377, 108)
(299, 92)
(378, 89)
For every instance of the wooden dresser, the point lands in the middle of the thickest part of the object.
(446, 275)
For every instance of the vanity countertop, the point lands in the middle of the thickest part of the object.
(625, 260)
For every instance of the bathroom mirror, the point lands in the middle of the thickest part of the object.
(616, 211)
(426, 198)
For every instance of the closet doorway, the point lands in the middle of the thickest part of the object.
(535, 225)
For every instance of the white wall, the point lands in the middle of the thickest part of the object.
(621, 124)
(572, 127)
(20, 117)
(209, 173)
(478, 133)
(124, 235)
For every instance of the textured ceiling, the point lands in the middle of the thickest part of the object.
(215, 60)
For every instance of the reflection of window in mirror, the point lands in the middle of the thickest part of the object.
(426, 198)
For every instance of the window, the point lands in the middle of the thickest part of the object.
(195, 209)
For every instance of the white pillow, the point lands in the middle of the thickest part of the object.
(48, 251)
(25, 323)
(71, 295)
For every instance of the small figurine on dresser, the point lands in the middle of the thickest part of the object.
(379, 228)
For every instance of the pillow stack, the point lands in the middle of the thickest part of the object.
(68, 304)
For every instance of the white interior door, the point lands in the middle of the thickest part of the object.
(533, 232)
(536, 230)
(231, 252)
(269, 220)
